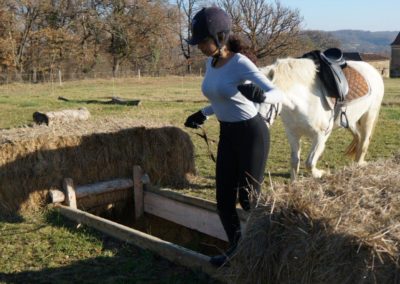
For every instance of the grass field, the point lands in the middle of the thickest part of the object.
(43, 247)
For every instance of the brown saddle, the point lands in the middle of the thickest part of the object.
(358, 87)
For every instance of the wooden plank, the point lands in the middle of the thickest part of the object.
(138, 191)
(194, 201)
(196, 218)
(103, 187)
(170, 251)
(69, 191)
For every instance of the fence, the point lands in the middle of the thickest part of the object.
(59, 76)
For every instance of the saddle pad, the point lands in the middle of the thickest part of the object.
(358, 86)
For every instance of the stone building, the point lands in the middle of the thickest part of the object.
(380, 62)
(395, 60)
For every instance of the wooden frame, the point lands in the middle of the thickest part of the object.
(191, 212)
(170, 251)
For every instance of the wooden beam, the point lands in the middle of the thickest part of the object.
(103, 187)
(138, 191)
(170, 251)
(69, 191)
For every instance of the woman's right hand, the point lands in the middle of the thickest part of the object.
(195, 120)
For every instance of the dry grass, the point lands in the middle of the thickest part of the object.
(36, 159)
(344, 228)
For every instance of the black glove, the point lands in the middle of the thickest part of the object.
(195, 120)
(252, 92)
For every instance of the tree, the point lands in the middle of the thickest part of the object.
(134, 28)
(186, 11)
(20, 26)
(270, 29)
(7, 55)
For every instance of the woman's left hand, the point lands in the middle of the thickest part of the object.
(252, 92)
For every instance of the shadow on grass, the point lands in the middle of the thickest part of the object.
(124, 267)
(128, 264)
(11, 218)
(282, 175)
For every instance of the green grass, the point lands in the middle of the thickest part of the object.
(46, 248)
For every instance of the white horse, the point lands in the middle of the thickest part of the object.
(305, 112)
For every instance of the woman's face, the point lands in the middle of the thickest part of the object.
(208, 47)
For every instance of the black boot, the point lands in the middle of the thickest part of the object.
(231, 225)
(223, 259)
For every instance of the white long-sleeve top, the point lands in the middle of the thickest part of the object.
(220, 87)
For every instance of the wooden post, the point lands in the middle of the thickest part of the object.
(138, 191)
(59, 77)
(69, 190)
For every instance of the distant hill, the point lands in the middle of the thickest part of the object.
(365, 41)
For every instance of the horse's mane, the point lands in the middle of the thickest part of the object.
(284, 73)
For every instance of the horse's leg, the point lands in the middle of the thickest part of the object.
(365, 127)
(318, 146)
(295, 148)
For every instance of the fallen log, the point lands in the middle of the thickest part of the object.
(113, 100)
(62, 116)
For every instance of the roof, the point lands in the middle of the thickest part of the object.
(354, 56)
(397, 40)
(373, 57)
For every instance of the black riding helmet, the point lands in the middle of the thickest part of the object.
(209, 22)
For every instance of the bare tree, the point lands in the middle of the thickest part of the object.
(21, 25)
(269, 28)
(186, 11)
(134, 28)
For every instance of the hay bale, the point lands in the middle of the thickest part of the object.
(344, 228)
(36, 159)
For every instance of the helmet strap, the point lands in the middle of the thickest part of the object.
(216, 57)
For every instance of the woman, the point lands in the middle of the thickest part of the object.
(244, 138)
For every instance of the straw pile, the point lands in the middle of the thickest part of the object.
(344, 228)
(36, 159)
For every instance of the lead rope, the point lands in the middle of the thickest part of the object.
(205, 137)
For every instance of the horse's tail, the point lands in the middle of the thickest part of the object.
(352, 148)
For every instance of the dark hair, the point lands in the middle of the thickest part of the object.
(235, 44)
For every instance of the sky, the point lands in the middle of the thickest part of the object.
(330, 15)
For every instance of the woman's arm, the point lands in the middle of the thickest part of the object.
(250, 72)
(208, 110)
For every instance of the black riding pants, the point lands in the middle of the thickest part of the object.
(242, 154)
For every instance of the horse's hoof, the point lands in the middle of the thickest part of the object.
(318, 173)
(362, 163)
